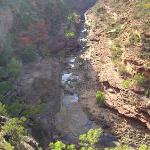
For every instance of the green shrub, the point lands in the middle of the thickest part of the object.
(144, 147)
(31, 110)
(126, 84)
(89, 139)
(122, 69)
(139, 79)
(2, 98)
(3, 110)
(134, 38)
(142, 8)
(116, 55)
(6, 86)
(59, 145)
(70, 34)
(116, 52)
(44, 52)
(5, 57)
(15, 129)
(100, 97)
(3, 72)
(72, 17)
(115, 31)
(14, 68)
(27, 55)
(17, 109)
(147, 93)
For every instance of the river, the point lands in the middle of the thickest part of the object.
(72, 120)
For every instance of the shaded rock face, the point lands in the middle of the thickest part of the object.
(6, 21)
(39, 84)
(57, 44)
(81, 5)
(40, 81)
(36, 33)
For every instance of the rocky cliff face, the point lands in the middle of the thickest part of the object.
(119, 64)
(33, 25)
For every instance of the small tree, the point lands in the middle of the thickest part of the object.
(6, 86)
(89, 139)
(61, 146)
(57, 145)
(14, 67)
(15, 130)
(2, 109)
(100, 97)
(72, 17)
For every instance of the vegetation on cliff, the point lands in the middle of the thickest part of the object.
(32, 30)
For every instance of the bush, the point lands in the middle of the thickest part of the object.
(15, 109)
(87, 141)
(115, 31)
(147, 93)
(3, 73)
(126, 84)
(144, 147)
(3, 110)
(27, 55)
(6, 86)
(57, 146)
(5, 57)
(122, 69)
(139, 79)
(72, 17)
(134, 38)
(15, 130)
(100, 97)
(61, 146)
(18, 109)
(116, 52)
(142, 8)
(70, 34)
(14, 68)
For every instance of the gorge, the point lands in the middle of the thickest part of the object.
(70, 66)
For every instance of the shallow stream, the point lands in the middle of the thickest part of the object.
(72, 120)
